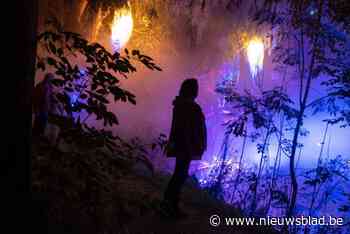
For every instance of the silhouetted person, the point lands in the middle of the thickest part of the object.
(42, 104)
(187, 141)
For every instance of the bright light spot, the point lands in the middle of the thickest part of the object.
(82, 72)
(121, 28)
(73, 99)
(255, 54)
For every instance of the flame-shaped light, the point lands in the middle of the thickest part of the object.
(255, 54)
(122, 26)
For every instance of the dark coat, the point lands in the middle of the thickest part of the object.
(188, 135)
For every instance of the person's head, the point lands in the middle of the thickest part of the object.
(189, 88)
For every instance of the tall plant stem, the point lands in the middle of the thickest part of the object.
(239, 165)
(304, 98)
(254, 202)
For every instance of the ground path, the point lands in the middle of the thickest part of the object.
(199, 207)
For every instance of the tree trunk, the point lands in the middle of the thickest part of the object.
(17, 160)
(291, 166)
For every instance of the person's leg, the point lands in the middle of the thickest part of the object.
(177, 181)
(182, 174)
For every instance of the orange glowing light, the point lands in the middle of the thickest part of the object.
(121, 28)
(255, 54)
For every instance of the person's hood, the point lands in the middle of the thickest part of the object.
(180, 101)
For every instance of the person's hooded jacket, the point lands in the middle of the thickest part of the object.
(188, 136)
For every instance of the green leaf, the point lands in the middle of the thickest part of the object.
(51, 61)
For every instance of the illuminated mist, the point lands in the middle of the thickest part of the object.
(207, 44)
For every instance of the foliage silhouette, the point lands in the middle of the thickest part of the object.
(87, 77)
(318, 33)
(317, 49)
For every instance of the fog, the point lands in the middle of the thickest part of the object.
(192, 41)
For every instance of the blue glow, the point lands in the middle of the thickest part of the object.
(224, 157)
(73, 99)
(82, 72)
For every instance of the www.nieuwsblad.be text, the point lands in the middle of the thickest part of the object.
(216, 220)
